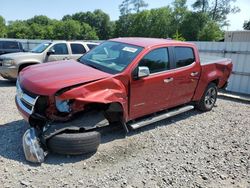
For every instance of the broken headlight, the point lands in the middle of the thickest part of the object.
(62, 105)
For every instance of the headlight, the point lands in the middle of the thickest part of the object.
(62, 106)
(8, 62)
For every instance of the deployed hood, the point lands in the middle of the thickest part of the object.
(48, 78)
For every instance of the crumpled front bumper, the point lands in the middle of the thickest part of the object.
(32, 147)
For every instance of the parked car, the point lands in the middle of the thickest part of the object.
(130, 82)
(10, 46)
(12, 64)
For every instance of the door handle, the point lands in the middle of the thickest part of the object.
(167, 80)
(194, 73)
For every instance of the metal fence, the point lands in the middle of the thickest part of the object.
(239, 52)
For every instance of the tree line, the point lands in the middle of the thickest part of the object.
(204, 21)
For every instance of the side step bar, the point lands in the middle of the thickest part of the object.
(149, 120)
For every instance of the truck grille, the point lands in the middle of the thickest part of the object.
(25, 100)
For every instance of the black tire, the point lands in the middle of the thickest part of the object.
(75, 143)
(208, 99)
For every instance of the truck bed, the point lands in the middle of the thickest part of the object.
(208, 59)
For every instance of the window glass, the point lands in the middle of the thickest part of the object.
(184, 56)
(77, 49)
(41, 47)
(92, 46)
(111, 57)
(156, 60)
(10, 45)
(60, 48)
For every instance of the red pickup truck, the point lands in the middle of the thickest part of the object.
(130, 82)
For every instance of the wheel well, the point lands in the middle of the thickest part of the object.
(216, 82)
(22, 66)
(112, 111)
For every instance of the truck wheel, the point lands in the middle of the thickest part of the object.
(208, 99)
(75, 143)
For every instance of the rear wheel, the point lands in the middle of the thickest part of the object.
(75, 143)
(208, 99)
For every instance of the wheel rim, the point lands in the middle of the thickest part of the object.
(210, 97)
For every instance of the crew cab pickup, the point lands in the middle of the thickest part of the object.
(12, 64)
(127, 82)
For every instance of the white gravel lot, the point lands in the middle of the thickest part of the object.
(190, 150)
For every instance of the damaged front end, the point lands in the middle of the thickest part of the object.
(78, 109)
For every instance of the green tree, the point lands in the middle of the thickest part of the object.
(178, 36)
(40, 20)
(67, 30)
(192, 24)
(3, 29)
(178, 14)
(18, 29)
(211, 32)
(201, 5)
(73, 30)
(160, 22)
(148, 23)
(127, 6)
(87, 33)
(98, 20)
(246, 25)
(138, 5)
(218, 10)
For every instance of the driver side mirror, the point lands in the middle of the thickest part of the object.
(51, 51)
(141, 72)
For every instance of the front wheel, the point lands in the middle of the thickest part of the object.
(208, 99)
(75, 143)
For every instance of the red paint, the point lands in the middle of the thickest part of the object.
(137, 97)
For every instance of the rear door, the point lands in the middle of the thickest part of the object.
(77, 50)
(185, 75)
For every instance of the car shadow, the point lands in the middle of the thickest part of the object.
(11, 139)
(7, 83)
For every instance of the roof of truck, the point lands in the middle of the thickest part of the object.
(147, 42)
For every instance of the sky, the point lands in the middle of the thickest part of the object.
(25, 9)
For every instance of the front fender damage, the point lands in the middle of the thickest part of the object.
(105, 91)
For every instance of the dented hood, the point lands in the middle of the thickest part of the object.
(47, 79)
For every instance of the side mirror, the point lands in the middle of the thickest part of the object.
(141, 72)
(51, 51)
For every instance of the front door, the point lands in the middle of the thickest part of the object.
(150, 94)
(60, 52)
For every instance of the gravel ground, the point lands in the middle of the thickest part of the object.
(191, 150)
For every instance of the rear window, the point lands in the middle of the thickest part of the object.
(184, 56)
(9, 45)
(77, 49)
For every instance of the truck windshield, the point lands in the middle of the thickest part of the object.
(41, 47)
(111, 57)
